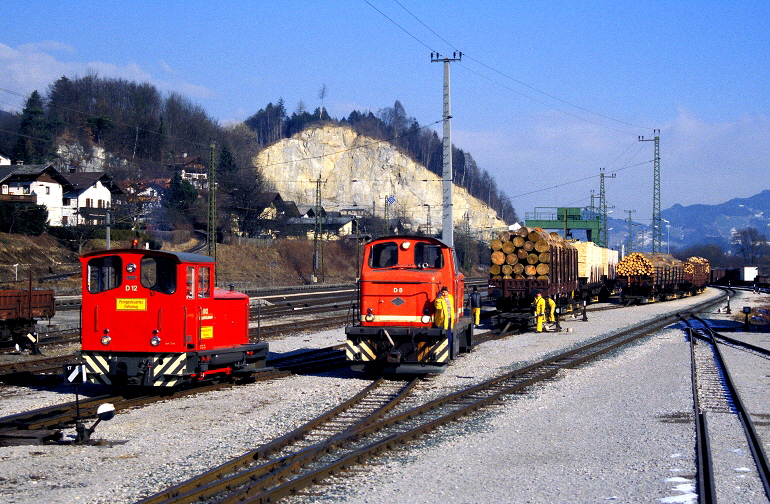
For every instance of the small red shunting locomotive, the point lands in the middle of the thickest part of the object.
(396, 330)
(155, 318)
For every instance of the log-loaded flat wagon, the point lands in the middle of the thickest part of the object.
(646, 277)
(697, 274)
(155, 318)
(596, 270)
(528, 261)
(395, 328)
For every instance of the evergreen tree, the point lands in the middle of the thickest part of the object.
(180, 194)
(34, 144)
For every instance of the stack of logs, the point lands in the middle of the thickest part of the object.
(697, 271)
(698, 264)
(659, 269)
(524, 254)
(636, 264)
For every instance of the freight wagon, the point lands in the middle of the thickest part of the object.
(527, 261)
(20, 310)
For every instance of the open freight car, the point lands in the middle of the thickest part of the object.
(647, 278)
(527, 261)
(697, 274)
(395, 328)
(596, 270)
(19, 312)
(155, 318)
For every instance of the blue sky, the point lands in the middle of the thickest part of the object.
(547, 93)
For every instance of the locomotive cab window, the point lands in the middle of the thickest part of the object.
(204, 282)
(190, 283)
(158, 274)
(428, 255)
(104, 273)
(384, 255)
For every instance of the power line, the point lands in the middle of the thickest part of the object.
(578, 180)
(553, 97)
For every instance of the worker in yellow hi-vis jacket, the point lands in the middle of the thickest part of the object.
(444, 317)
(539, 311)
(551, 309)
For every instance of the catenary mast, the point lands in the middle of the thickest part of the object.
(447, 233)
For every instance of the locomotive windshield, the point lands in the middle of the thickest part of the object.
(428, 255)
(384, 255)
(104, 273)
(158, 274)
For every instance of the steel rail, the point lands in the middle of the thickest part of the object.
(61, 415)
(234, 472)
(704, 467)
(755, 443)
(733, 341)
(402, 427)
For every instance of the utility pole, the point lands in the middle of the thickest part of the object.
(386, 212)
(317, 229)
(603, 238)
(630, 227)
(447, 233)
(657, 232)
(211, 228)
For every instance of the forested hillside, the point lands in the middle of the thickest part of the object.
(133, 131)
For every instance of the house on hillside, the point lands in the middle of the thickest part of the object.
(332, 228)
(187, 163)
(87, 198)
(199, 181)
(310, 211)
(36, 184)
(5, 158)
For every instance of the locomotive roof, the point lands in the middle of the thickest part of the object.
(182, 257)
(410, 237)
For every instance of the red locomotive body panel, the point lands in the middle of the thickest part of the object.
(401, 277)
(155, 317)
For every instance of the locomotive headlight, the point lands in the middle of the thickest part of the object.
(130, 267)
(106, 340)
(155, 341)
(425, 319)
(369, 315)
(406, 245)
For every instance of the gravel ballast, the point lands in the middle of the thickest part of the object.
(616, 430)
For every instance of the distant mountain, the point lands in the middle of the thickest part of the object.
(699, 224)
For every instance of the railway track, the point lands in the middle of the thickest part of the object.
(271, 463)
(16, 372)
(721, 415)
(278, 478)
(66, 414)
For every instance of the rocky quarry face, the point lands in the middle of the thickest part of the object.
(359, 173)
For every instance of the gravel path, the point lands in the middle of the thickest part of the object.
(617, 430)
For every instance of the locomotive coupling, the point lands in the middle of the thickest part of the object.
(394, 357)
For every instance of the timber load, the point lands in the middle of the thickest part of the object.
(528, 260)
(595, 264)
(530, 254)
(697, 271)
(658, 271)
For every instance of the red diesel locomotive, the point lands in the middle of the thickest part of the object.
(155, 318)
(401, 277)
